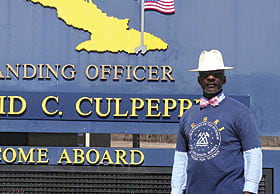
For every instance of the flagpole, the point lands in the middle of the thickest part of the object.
(142, 48)
(142, 22)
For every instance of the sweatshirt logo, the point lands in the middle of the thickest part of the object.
(205, 140)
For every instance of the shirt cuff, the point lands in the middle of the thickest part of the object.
(177, 191)
(251, 187)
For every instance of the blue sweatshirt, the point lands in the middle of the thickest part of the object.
(214, 140)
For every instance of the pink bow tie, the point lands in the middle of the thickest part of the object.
(213, 102)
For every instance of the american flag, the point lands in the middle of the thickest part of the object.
(164, 6)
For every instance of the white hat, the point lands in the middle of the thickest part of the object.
(210, 61)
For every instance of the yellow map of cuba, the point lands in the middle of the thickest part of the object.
(106, 33)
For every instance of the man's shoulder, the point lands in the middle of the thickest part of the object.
(235, 105)
(194, 110)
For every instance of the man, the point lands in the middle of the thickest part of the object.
(218, 149)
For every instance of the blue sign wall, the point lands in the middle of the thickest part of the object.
(247, 33)
(94, 112)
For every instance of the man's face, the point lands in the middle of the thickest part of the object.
(211, 81)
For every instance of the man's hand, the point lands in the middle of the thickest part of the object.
(246, 192)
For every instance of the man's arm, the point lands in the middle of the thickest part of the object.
(252, 170)
(247, 131)
(179, 173)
